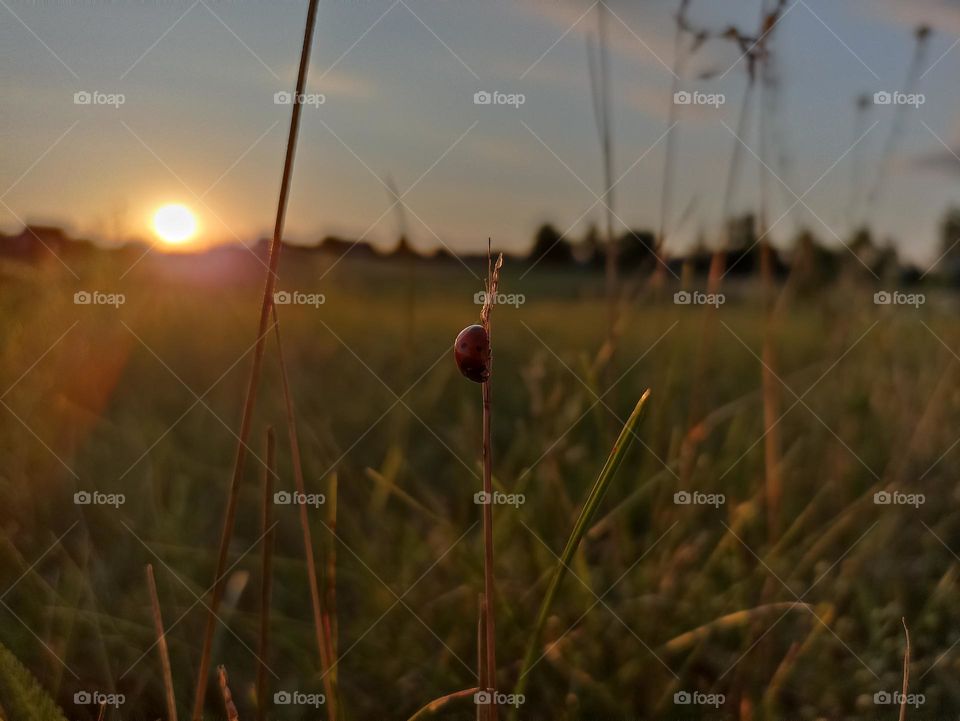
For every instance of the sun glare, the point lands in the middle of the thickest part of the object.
(174, 224)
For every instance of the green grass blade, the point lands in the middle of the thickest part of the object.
(590, 506)
(21, 696)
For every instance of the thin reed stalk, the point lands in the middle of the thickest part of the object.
(718, 262)
(316, 598)
(330, 623)
(773, 485)
(906, 671)
(162, 650)
(599, 66)
(404, 247)
(253, 381)
(862, 106)
(493, 280)
(266, 575)
(680, 57)
(825, 614)
(921, 36)
(482, 681)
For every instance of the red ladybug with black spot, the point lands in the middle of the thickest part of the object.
(472, 353)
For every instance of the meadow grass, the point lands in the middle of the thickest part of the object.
(690, 597)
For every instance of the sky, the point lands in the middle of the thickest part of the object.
(198, 123)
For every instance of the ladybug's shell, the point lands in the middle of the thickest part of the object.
(472, 353)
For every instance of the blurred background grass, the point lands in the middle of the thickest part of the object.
(111, 406)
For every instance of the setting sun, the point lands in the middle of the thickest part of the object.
(174, 223)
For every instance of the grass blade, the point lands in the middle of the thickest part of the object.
(266, 575)
(316, 599)
(590, 506)
(162, 646)
(431, 708)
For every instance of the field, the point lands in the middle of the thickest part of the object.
(662, 598)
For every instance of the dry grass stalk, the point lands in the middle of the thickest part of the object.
(599, 66)
(680, 57)
(316, 599)
(253, 381)
(481, 655)
(906, 671)
(330, 624)
(736, 619)
(228, 704)
(826, 614)
(921, 36)
(439, 703)
(493, 281)
(162, 646)
(773, 485)
(266, 575)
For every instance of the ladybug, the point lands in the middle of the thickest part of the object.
(472, 353)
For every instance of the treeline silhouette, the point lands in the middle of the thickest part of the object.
(550, 248)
